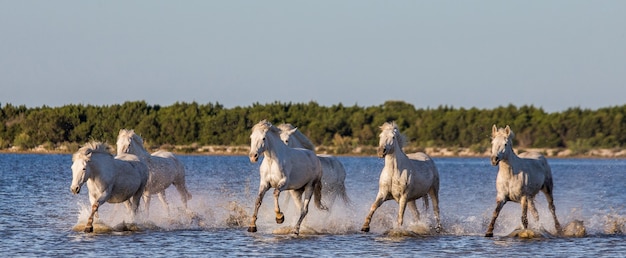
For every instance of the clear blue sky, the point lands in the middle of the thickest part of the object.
(550, 54)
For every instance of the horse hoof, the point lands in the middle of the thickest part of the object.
(365, 229)
(489, 234)
(438, 229)
(89, 229)
(280, 218)
(252, 229)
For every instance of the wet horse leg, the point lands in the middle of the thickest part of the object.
(280, 217)
(413, 208)
(163, 200)
(89, 226)
(304, 209)
(524, 203)
(259, 199)
(533, 209)
(380, 198)
(434, 196)
(401, 207)
(550, 200)
(146, 203)
(499, 205)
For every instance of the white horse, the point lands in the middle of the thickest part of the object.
(109, 179)
(284, 168)
(404, 179)
(519, 178)
(333, 172)
(164, 169)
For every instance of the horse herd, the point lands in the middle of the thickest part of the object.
(290, 164)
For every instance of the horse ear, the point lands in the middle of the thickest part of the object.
(292, 131)
(507, 130)
(494, 129)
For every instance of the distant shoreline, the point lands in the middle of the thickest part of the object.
(361, 151)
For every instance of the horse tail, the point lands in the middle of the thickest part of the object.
(548, 184)
(180, 181)
(317, 192)
(344, 195)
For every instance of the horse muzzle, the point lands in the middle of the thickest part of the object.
(254, 157)
(495, 160)
(382, 152)
(75, 189)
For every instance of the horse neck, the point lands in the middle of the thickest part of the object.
(398, 156)
(296, 143)
(276, 147)
(97, 162)
(139, 150)
(510, 160)
(303, 141)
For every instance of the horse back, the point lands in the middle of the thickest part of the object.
(333, 170)
(536, 165)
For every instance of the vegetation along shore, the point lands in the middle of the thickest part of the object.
(340, 130)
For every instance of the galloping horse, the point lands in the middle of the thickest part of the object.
(109, 179)
(333, 175)
(404, 179)
(284, 168)
(164, 169)
(519, 178)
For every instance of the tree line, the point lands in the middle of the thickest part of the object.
(340, 126)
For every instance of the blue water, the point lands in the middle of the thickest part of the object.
(38, 213)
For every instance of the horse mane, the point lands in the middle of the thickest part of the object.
(91, 147)
(399, 136)
(306, 143)
(266, 126)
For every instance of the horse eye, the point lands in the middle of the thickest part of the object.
(264, 138)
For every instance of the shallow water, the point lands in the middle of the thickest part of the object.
(38, 213)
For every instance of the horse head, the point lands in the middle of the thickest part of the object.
(287, 135)
(501, 140)
(80, 170)
(124, 140)
(258, 140)
(390, 139)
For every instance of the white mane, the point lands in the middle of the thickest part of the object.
(399, 136)
(91, 147)
(299, 136)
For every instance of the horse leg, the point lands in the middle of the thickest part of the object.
(401, 207)
(308, 193)
(524, 203)
(533, 209)
(134, 204)
(89, 226)
(434, 196)
(280, 217)
(259, 199)
(499, 205)
(161, 196)
(413, 208)
(548, 193)
(380, 198)
(146, 203)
